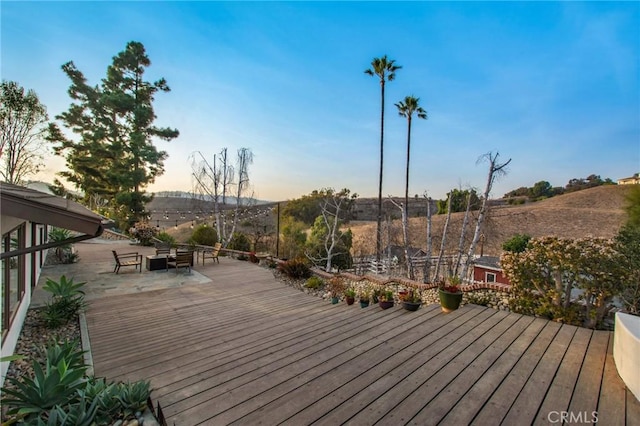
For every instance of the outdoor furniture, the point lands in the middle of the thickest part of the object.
(127, 259)
(163, 248)
(181, 260)
(155, 263)
(212, 253)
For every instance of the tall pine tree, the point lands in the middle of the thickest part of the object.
(114, 155)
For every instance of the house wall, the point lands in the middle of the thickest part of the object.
(480, 273)
(31, 265)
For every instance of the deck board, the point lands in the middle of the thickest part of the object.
(247, 349)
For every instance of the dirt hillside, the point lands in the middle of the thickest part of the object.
(595, 212)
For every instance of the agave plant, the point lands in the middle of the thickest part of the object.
(133, 396)
(65, 288)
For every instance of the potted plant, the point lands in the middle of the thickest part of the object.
(336, 288)
(450, 295)
(412, 300)
(375, 295)
(350, 296)
(365, 297)
(386, 299)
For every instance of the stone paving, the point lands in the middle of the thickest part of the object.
(96, 265)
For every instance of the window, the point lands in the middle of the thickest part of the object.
(490, 277)
(13, 276)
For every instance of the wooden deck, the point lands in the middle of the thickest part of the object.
(247, 349)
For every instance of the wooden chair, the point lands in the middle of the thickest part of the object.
(127, 259)
(212, 253)
(163, 248)
(183, 259)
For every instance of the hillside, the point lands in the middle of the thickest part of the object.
(595, 212)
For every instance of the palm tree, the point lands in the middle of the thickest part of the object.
(385, 69)
(406, 108)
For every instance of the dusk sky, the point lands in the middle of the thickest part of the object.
(553, 86)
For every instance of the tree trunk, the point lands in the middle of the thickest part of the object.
(462, 234)
(379, 225)
(444, 239)
(494, 170)
(426, 273)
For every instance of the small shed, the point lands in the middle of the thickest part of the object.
(486, 269)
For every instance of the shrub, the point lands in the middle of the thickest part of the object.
(239, 242)
(67, 300)
(314, 283)
(204, 235)
(166, 238)
(144, 232)
(295, 268)
(63, 253)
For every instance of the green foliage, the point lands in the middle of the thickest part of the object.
(350, 293)
(133, 396)
(516, 244)
(204, 235)
(67, 300)
(294, 237)
(113, 155)
(63, 252)
(55, 385)
(633, 206)
(544, 274)
(59, 393)
(314, 283)
(22, 118)
(166, 238)
(295, 268)
(240, 242)
(459, 201)
(628, 244)
(320, 240)
(543, 189)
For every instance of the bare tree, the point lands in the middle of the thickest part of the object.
(333, 206)
(214, 180)
(426, 273)
(444, 239)
(463, 232)
(405, 237)
(22, 120)
(495, 170)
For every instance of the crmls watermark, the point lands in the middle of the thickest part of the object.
(570, 417)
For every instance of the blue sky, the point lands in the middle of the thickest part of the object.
(554, 86)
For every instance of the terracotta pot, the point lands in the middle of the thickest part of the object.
(350, 300)
(449, 301)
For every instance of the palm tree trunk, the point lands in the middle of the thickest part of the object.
(379, 227)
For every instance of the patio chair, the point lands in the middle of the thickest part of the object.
(212, 253)
(127, 259)
(183, 259)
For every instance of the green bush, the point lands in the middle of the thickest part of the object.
(240, 242)
(166, 238)
(295, 268)
(314, 283)
(204, 235)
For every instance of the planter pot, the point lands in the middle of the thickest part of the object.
(386, 305)
(350, 300)
(334, 300)
(449, 301)
(364, 303)
(411, 306)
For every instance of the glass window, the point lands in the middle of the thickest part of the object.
(491, 277)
